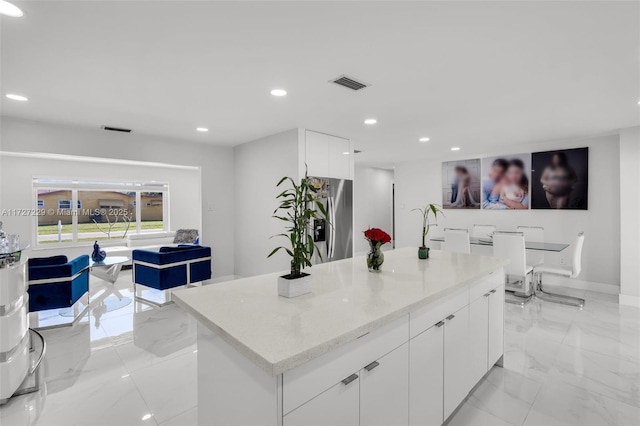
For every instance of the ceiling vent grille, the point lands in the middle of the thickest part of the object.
(116, 129)
(349, 83)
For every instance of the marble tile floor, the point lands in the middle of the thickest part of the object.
(130, 364)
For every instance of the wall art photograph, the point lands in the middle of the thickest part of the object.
(560, 179)
(505, 182)
(461, 184)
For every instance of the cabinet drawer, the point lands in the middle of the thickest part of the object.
(486, 284)
(427, 316)
(309, 380)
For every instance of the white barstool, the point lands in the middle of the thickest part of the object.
(483, 231)
(570, 272)
(457, 240)
(510, 245)
(533, 234)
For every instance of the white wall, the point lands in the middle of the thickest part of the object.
(419, 183)
(216, 165)
(258, 166)
(372, 203)
(630, 216)
(20, 168)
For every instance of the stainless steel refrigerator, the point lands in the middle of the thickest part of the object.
(334, 236)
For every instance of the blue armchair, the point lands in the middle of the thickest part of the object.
(170, 267)
(56, 283)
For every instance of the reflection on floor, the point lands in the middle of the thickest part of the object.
(137, 365)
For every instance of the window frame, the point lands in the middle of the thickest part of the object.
(80, 185)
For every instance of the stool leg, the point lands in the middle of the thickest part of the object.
(554, 297)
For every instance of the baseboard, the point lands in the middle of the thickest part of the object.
(625, 299)
(580, 284)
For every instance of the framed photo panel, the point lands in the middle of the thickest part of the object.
(461, 184)
(506, 182)
(560, 179)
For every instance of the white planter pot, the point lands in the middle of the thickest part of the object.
(294, 288)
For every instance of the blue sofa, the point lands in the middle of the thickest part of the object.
(170, 267)
(56, 283)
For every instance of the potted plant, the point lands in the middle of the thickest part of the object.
(423, 250)
(375, 258)
(298, 207)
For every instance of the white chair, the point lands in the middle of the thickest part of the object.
(570, 272)
(457, 240)
(533, 234)
(510, 245)
(483, 231)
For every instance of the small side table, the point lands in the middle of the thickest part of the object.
(108, 269)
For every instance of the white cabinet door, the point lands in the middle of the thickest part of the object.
(496, 325)
(336, 406)
(426, 355)
(478, 338)
(384, 390)
(317, 154)
(339, 158)
(456, 360)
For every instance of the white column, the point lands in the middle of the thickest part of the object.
(630, 216)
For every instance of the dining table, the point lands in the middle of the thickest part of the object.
(529, 245)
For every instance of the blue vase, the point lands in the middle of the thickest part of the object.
(98, 255)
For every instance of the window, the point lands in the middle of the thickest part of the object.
(106, 211)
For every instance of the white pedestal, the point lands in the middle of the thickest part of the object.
(14, 328)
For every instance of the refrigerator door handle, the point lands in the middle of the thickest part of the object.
(331, 238)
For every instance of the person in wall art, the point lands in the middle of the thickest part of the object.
(461, 189)
(560, 179)
(506, 186)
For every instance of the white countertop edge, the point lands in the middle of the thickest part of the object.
(281, 366)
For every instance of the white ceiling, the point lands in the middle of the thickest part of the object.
(470, 74)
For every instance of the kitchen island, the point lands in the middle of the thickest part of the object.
(404, 346)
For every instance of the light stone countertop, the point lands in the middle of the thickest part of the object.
(279, 334)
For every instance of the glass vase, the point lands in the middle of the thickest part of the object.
(375, 259)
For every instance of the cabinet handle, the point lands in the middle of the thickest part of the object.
(350, 379)
(487, 294)
(450, 317)
(440, 324)
(492, 291)
(371, 366)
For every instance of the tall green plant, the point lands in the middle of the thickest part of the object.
(426, 225)
(298, 206)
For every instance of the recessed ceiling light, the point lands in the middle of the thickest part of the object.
(424, 139)
(202, 129)
(346, 153)
(638, 102)
(17, 97)
(10, 9)
(455, 148)
(279, 92)
(146, 416)
(370, 121)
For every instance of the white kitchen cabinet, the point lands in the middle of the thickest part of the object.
(426, 363)
(317, 154)
(337, 406)
(325, 156)
(496, 325)
(456, 357)
(384, 390)
(339, 158)
(478, 338)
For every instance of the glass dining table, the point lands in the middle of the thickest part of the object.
(529, 245)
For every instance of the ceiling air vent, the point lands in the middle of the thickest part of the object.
(349, 83)
(116, 129)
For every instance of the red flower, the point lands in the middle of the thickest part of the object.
(377, 235)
